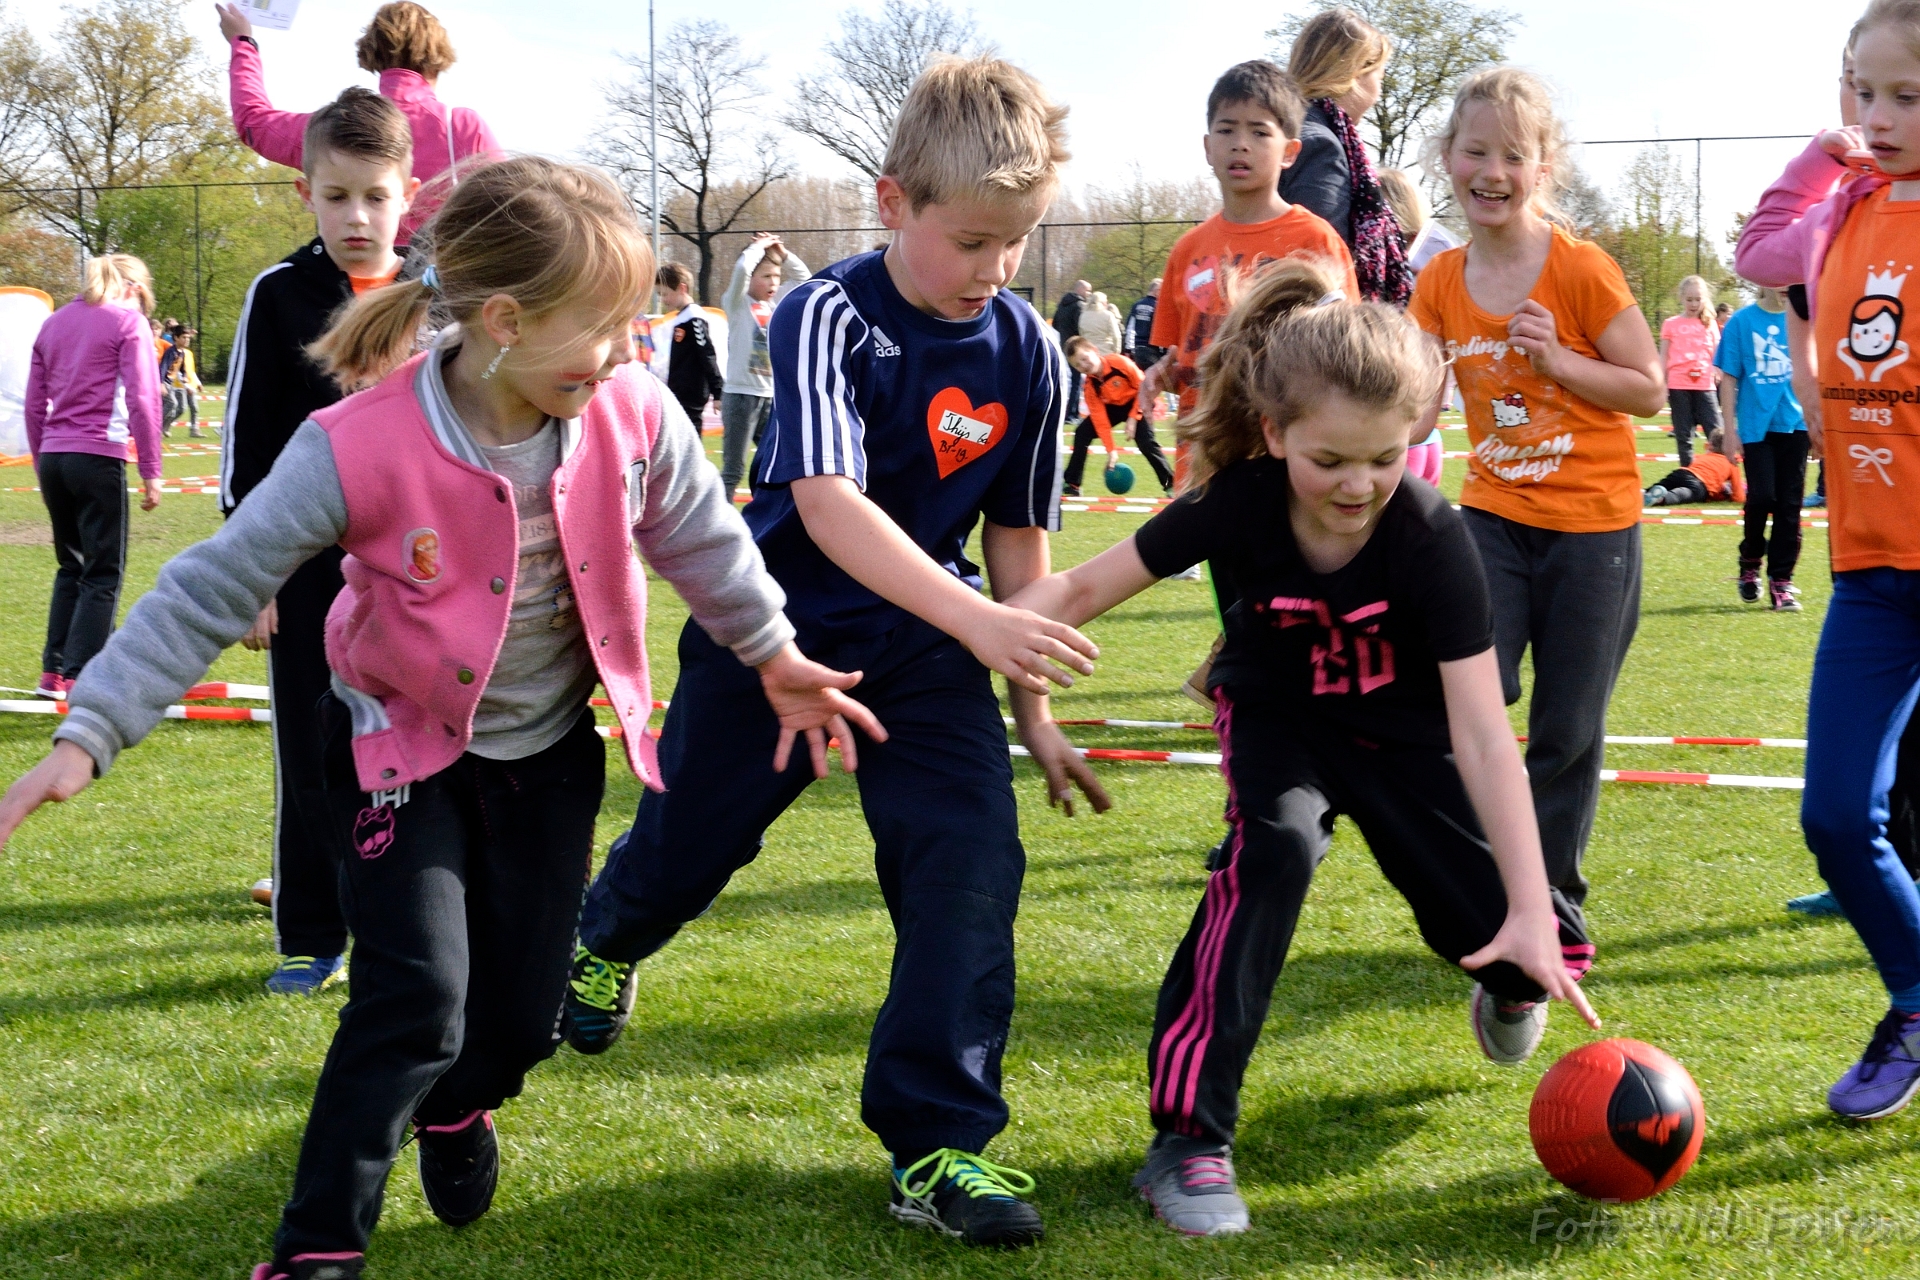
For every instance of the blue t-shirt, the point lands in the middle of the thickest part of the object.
(940, 422)
(1753, 348)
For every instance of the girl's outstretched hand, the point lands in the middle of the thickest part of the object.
(808, 700)
(1531, 943)
(233, 23)
(63, 775)
(1065, 768)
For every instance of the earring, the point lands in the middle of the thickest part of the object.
(498, 356)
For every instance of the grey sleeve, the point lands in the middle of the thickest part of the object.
(1319, 179)
(694, 538)
(206, 598)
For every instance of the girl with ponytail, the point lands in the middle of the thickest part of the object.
(1357, 676)
(489, 494)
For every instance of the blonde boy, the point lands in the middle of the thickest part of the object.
(913, 399)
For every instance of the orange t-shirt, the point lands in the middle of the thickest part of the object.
(1192, 299)
(1116, 385)
(1542, 456)
(1717, 472)
(362, 284)
(1869, 388)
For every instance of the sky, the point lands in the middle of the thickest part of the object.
(1135, 74)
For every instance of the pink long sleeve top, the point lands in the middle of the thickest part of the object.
(94, 384)
(441, 134)
(1785, 241)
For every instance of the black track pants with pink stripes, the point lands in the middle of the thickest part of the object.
(1287, 780)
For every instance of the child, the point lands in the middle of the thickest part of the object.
(1756, 394)
(1552, 493)
(1253, 134)
(1358, 669)
(1112, 385)
(181, 382)
(91, 386)
(461, 757)
(358, 154)
(1850, 236)
(1714, 476)
(765, 271)
(1687, 343)
(693, 356)
(913, 400)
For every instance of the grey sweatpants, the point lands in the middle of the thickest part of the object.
(742, 419)
(1575, 598)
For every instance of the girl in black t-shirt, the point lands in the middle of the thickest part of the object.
(1357, 676)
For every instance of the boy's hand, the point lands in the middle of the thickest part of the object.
(64, 774)
(1531, 943)
(807, 698)
(1065, 768)
(1531, 328)
(233, 23)
(1023, 647)
(265, 627)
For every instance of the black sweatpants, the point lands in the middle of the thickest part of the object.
(86, 499)
(938, 798)
(1574, 598)
(1686, 483)
(306, 844)
(463, 900)
(1285, 786)
(1691, 409)
(1776, 482)
(1143, 439)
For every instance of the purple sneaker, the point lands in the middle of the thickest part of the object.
(1884, 1079)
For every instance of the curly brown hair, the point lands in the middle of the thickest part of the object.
(405, 37)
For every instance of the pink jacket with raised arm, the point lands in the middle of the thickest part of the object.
(1785, 241)
(432, 549)
(441, 134)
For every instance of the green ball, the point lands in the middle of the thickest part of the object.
(1119, 478)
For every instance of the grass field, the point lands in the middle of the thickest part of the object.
(153, 1097)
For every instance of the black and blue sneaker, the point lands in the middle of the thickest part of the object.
(599, 1001)
(459, 1167)
(958, 1194)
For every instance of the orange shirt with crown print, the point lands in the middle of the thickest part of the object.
(1870, 386)
(1542, 456)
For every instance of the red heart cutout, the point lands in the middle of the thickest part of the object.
(960, 432)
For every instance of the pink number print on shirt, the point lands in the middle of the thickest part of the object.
(1354, 651)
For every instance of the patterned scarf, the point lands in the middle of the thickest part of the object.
(1379, 258)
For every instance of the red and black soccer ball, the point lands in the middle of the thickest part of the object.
(1618, 1120)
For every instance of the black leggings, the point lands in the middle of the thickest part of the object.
(86, 497)
(1776, 483)
(463, 900)
(1692, 409)
(1143, 439)
(1285, 784)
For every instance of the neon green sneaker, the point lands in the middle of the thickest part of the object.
(599, 1001)
(960, 1195)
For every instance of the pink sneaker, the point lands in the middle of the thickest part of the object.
(53, 685)
(1782, 592)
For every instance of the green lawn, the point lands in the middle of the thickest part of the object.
(153, 1096)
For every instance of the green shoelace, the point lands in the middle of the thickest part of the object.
(975, 1176)
(600, 981)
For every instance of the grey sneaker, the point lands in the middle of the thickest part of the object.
(1508, 1033)
(1189, 1182)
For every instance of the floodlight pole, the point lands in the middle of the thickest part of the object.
(653, 133)
(1698, 231)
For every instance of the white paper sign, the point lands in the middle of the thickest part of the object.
(275, 14)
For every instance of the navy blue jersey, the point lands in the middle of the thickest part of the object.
(940, 422)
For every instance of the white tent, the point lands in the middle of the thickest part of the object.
(22, 312)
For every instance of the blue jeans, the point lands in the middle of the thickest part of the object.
(938, 798)
(1866, 674)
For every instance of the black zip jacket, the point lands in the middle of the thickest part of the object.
(272, 387)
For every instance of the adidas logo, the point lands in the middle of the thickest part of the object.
(883, 346)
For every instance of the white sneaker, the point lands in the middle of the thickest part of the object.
(1187, 575)
(1191, 1187)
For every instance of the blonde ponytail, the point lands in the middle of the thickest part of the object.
(1290, 338)
(373, 334)
(114, 275)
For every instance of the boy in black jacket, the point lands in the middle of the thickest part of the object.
(693, 358)
(357, 162)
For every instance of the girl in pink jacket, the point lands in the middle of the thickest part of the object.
(408, 49)
(490, 494)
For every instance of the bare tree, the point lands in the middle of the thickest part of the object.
(120, 99)
(22, 142)
(849, 108)
(709, 92)
(1436, 42)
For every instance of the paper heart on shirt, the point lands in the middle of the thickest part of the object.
(959, 431)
